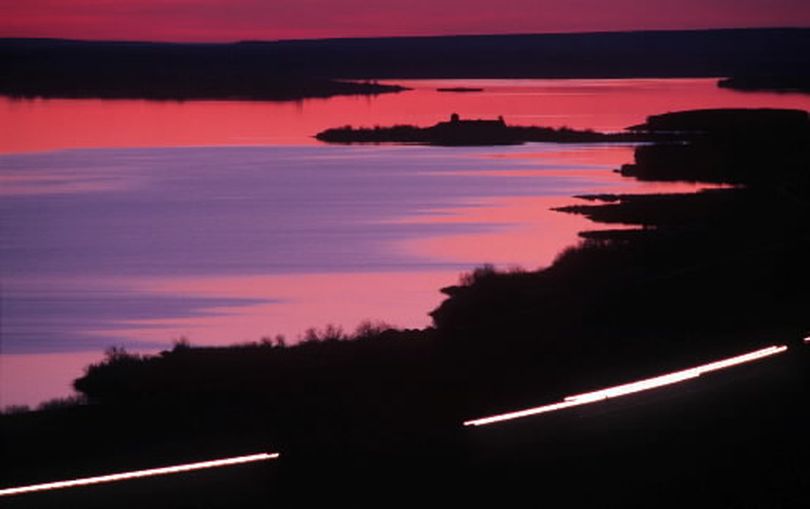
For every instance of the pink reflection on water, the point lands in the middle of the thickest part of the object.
(608, 155)
(36, 125)
(27, 379)
(601, 104)
(529, 233)
(402, 299)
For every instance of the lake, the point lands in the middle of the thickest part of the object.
(136, 223)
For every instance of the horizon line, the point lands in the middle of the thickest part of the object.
(413, 36)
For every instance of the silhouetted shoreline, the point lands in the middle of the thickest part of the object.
(187, 85)
(364, 416)
(795, 83)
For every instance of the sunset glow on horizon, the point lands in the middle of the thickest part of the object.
(226, 20)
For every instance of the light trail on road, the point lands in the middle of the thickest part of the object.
(632, 387)
(137, 474)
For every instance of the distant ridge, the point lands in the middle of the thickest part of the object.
(31, 64)
(330, 40)
(522, 34)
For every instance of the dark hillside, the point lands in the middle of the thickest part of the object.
(284, 70)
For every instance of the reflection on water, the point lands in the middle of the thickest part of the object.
(224, 245)
(36, 125)
(290, 303)
(231, 241)
(28, 379)
(77, 262)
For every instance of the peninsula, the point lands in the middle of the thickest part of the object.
(790, 83)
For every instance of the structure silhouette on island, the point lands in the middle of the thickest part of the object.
(458, 131)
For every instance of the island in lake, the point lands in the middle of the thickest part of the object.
(457, 131)
(459, 89)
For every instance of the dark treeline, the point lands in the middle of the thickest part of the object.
(308, 68)
(74, 69)
(110, 70)
(707, 53)
(374, 419)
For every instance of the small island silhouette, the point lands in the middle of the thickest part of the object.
(458, 131)
(459, 89)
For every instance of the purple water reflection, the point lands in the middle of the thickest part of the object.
(76, 260)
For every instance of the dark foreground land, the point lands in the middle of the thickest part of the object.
(376, 420)
(286, 70)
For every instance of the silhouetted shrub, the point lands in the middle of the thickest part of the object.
(369, 329)
(15, 409)
(65, 402)
(329, 333)
(478, 275)
(180, 344)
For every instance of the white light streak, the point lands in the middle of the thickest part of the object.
(633, 387)
(807, 339)
(137, 474)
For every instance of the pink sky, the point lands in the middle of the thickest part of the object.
(231, 20)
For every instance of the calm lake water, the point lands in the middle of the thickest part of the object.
(134, 223)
